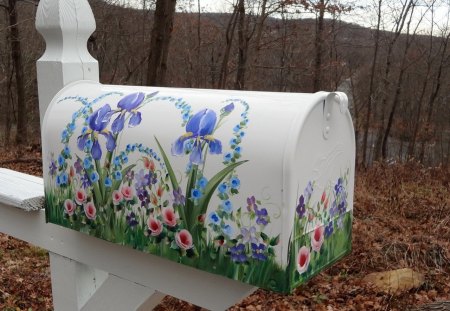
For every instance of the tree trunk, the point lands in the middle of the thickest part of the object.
(160, 42)
(242, 48)
(16, 56)
(226, 56)
(371, 82)
(318, 45)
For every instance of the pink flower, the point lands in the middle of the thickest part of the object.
(69, 207)
(127, 192)
(303, 258)
(117, 197)
(169, 216)
(317, 238)
(90, 210)
(80, 196)
(184, 239)
(155, 226)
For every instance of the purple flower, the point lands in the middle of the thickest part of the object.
(78, 165)
(131, 220)
(198, 129)
(52, 168)
(97, 124)
(301, 208)
(227, 109)
(238, 253)
(248, 235)
(333, 209)
(339, 187)
(262, 217)
(178, 197)
(142, 179)
(251, 204)
(329, 229)
(258, 251)
(129, 104)
(308, 191)
(85, 181)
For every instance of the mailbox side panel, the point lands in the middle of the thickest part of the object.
(194, 176)
(320, 189)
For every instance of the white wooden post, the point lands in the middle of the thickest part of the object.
(134, 280)
(66, 26)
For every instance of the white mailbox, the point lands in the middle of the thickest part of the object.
(254, 186)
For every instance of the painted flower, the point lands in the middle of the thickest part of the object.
(303, 259)
(131, 220)
(227, 230)
(329, 229)
(339, 187)
(90, 210)
(249, 235)
(227, 206)
(169, 216)
(127, 192)
(214, 218)
(117, 197)
(52, 168)
(238, 253)
(258, 251)
(108, 182)
(149, 164)
(223, 188)
(199, 129)
(130, 104)
(94, 177)
(80, 196)
(301, 208)
(227, 109)
(235, 183)
(69, 207)
(251, 203)
(184, 239)
(178, 197)
(262, 217)
(317, 237)
(196, 194)
(202, 183)
(155, 226)
(324, 196)
(308, 191)
(98, 122)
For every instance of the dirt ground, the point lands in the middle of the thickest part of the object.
(401, 219)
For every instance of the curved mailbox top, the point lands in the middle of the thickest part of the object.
(254, 186)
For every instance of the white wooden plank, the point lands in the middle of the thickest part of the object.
(207, 290)
(21, 190)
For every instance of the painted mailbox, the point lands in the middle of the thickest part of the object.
(254, 186)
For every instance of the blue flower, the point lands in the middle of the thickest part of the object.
(66, 151)
(227, 230)
(308, 191)
(339, 187)
(94, 177)
(238, 150)
(117, 161)
(235, 183)
(227, 109)
(87, 163)
(227, 206)
(237, 128)
(258, 251)
(88, 145)
(262, 217)
(199, 129)
(61, 160)
(196, 194)
(130, 104)
(227, 157)
(214, 218)
(117, 175)
(85, 182)
(223, 188)
(52, 168)
(108, 182)
(98, 122)
(238, 253)
(202, 183)
(329, 229)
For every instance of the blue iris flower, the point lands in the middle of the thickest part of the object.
(199, 129)
(98, 122)
(130, 104)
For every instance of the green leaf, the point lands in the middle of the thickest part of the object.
(264, 236)
(214, 183)
(274, 241)
(170, 171)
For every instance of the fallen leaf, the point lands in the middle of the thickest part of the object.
(395, 280)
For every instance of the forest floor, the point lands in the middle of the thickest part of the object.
(401, 219)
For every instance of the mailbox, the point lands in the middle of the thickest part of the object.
(254, 186)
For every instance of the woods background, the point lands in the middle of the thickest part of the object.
(396, 72)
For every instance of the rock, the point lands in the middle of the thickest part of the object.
(395, 280)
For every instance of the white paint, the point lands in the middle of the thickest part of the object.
(21, 190)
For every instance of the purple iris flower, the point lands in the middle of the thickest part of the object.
(262, 218)
(199, 129)
(301, 208)
(128, 104)
(98, 122)
(329, 229)
(251, 203)
(178, 197)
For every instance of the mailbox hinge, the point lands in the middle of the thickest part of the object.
(330, 107)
